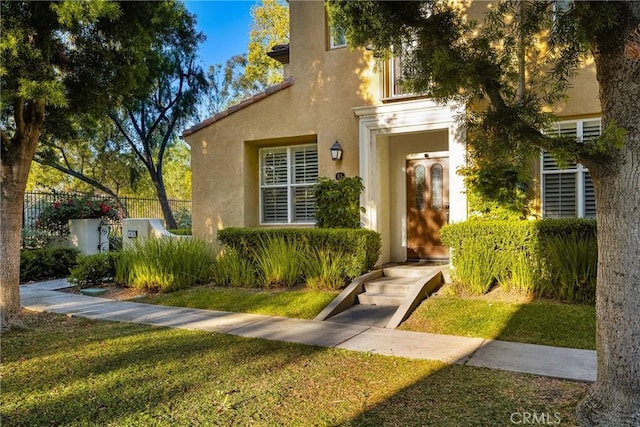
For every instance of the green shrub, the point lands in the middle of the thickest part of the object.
(572, 264)
(279, 262)
(165, 264)
(34, 239)
(323, 269)
(338, 202)
(521, 250)
(46, 263)
(93, 270)
(182, 215)
(231, 268)
(361, 248)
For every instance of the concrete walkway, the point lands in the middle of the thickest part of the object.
(566, 363)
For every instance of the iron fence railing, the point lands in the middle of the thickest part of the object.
(131, 207)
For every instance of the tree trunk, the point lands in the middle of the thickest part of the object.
(158, 182)
(614, 399)
(17, 154)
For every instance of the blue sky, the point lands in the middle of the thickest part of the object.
(226, 25)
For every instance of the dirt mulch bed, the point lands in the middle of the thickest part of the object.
(114, 292)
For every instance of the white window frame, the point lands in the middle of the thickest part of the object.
(290, 185)
(578, 170)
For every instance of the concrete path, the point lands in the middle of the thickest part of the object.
(566, 363)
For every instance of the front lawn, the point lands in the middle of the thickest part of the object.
(537, 322)
(73, 371)
(301, 304)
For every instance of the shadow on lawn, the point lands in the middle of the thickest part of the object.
(132, 374)
(472, 396)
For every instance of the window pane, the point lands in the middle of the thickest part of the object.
(304, 207)
(274, 166)
(420, 184)
(589, 196)
(559, 195)
(590, 130)
(305, 165)
(338, 37)
(274, 205)
(436, 187)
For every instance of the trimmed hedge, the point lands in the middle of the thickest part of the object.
(361, 247)
(46, 263)
(524, 255)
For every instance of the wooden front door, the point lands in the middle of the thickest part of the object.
(427, 207)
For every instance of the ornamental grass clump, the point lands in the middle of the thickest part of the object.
(572, 262)
(324, 269)
(279, 263)
(476, 267)
(166, 264)
(233, 269)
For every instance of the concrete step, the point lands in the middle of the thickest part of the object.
(410, 271)
(390, 285)
(368, 298)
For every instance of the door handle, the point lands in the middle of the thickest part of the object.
(446, 207)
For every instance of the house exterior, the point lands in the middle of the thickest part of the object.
(254, 164)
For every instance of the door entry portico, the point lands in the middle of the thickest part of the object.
(427, 207)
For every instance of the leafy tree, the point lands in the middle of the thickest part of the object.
(149, 123)
(93, 156)
(244, 75)
(270, 27)
(57, 59)
(504, 68)
(224, 88)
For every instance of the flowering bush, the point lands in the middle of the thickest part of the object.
(55, 217)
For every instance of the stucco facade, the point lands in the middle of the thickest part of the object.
(339, 95)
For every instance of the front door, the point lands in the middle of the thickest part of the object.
(427, 207)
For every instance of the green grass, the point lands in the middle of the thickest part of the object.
(73, 372)
(538, 322)
(301, 304)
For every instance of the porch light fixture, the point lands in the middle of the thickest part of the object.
(336, 151)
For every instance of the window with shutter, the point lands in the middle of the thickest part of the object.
(568, 192)
(286, 180)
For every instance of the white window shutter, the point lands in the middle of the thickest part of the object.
(559, 195)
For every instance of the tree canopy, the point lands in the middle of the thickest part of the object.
(60, 60)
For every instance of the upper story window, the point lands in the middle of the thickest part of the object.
(568, 192)
(337, 37)
(398, 68)
(287, 175)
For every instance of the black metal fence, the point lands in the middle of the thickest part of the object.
(130, 207)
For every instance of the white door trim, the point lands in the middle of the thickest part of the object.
(399, 118)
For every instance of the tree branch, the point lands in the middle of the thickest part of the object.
(128, 138)
(77, 175)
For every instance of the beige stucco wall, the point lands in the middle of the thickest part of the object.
(316, 108)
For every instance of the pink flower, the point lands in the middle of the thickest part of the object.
(56, 205)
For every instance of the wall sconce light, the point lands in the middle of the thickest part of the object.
(336, 151)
